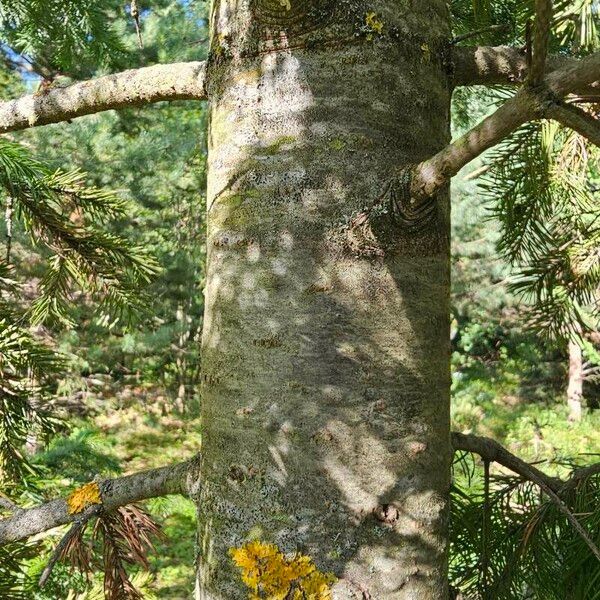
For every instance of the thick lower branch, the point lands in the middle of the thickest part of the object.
(491, 451)
(575, 76)
(136, 87)
(184, 478)
(175, 479)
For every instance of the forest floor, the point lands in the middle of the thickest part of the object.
(133, 430)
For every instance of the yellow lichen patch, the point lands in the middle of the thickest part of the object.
(270, 575)
(83, 497)
(287, 4)
(426, 52)
(374, 25)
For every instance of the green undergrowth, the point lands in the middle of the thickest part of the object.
(515, 393)
(119, 439)
(510, 389)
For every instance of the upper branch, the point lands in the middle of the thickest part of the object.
(529, 103)
(575, 76)
(175, 479)
(543, 21)
(177, 81)
(577, 119)
(506, 65)
(434, 173)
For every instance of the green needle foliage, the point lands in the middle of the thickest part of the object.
(542, 182)
(25, 393)
(28, 369)
(576, 24)
(513, 542)
(13, 576)
(69, 220)
(53, 35)
(539, 189)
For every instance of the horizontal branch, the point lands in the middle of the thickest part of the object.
(529, 103)
(136, 87)
(578, 120)
(575, 76)
(175, 479)
(506, 65)
(471, 34)
(491, 451)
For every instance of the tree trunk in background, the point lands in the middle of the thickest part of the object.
(575, 387)
(326, 343)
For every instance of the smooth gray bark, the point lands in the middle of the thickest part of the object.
(326, 342)
(136, 87)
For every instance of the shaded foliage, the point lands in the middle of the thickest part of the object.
(513, 542)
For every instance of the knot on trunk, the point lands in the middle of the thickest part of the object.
(399, 203)
(406, 210)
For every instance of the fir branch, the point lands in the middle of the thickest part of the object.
(62, 214)
(577, 119)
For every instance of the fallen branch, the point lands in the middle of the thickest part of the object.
(136, 87)
(176, 479)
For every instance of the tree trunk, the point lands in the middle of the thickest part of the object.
(325, 349)
(575, 387)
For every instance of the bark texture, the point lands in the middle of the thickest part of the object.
(136, 87)
(326, 337)
(577, 119)
(505, 65)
